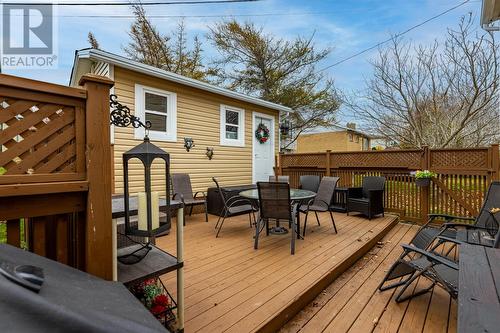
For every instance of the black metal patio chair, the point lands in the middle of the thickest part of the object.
(431, 235)
(274, 203)
(322, 201)
(438, 269)
(484, 224)
(279, 179)
(310, 182)
(367, 199)
(182, 189)
(233, 206)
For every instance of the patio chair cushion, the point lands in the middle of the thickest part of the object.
(360, 200)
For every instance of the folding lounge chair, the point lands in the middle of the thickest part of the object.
(432, 235)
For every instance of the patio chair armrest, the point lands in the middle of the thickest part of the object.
(448, 217)
(375, 192)
(471, 226)
(309, 203)
(450, 225)
(239, 201)
(203, 193)
(327, 205)
(354, 192)
(451, 240)
(180, 196)
(434, 258)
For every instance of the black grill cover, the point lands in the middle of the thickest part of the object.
(69, 301)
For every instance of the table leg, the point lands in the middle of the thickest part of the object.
(298, 224)
(180, 271)
(114, 242)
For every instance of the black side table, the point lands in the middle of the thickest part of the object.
(339, 203)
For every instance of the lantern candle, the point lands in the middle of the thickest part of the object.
(143, 211)
(155, 206)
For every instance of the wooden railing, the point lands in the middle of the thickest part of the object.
(458, 189)
(55, 186)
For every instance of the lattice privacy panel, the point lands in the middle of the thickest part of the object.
(36, 137)
(305, 160)
(454, 159)
(389, 159)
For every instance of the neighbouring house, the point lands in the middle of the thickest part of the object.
(490, 13)
(334, 138)
(179, 107)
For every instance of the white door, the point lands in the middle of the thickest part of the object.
(263, 153)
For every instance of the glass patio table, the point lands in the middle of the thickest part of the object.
(296, 195)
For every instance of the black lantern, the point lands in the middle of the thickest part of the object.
(149, 224)
(285, 128)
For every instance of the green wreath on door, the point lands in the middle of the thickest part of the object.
(262, 133)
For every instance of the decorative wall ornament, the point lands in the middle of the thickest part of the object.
(210, 153)
(188, 143)
(120, 115)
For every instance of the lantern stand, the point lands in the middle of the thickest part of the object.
(148, 224)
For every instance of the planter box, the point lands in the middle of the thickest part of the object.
(422, 182)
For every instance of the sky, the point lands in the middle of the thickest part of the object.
(346, 27)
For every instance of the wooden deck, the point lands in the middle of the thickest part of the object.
(232, 287)
(352, 302)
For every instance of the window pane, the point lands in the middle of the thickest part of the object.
(158, 122)
(231, 132)
(232, 117)
(156, 103)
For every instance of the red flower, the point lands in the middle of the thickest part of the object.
(149, 282)
(157, 309)
(161, 300)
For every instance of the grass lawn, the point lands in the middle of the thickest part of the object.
(3, 234)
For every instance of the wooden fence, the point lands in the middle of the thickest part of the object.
(458, 189)
(55, 182)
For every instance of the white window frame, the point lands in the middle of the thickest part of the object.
(240, 142)
(140, 103)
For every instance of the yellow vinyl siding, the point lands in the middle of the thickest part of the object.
(334, 141)
(198, 117)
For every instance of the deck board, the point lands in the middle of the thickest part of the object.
(231, 287)
(352, 303)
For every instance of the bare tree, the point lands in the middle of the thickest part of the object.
(440, 95)
(166, 51)
(276, 70)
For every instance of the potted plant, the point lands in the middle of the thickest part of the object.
(153, 294)
(423, 177)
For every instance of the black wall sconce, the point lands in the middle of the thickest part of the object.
(188, 143)
(285, 128)
(210, 153)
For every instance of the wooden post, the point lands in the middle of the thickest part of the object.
(279, 169)
(327, 165)
(424, 191)
(14, 232)
(98, 224)
(495, 161)
(180, 271)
